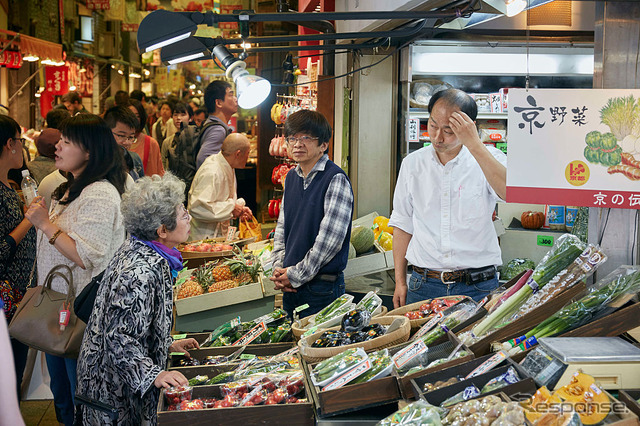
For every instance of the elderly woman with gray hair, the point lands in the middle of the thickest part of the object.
(127, 340)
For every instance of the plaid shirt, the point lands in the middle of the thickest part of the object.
(338, 209)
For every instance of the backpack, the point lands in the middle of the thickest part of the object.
(184, 149)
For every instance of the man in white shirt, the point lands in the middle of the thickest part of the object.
(212, 198)
(442, 207)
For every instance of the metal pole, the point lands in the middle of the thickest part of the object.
(19, 91)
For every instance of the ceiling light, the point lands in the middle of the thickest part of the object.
(120, 72)
(37, 95)
(134, 75)
(251, 89)
(192, 87)
(30, 58)
(146, 72)
(162, 28)
(83, 69)
(72, 88)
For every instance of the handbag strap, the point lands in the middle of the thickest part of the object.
(66, 275)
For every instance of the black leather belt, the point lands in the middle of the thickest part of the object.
(467, 276)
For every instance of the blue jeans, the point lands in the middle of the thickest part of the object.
(316, 293)
(63, 386)
(422, 288)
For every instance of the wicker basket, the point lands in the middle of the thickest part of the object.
(401, 335)
(300, 328)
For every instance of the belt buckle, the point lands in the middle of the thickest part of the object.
(442, 278)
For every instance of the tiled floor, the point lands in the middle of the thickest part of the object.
(38, 413)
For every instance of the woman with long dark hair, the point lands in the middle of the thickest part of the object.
(83, 227)
(17, 236)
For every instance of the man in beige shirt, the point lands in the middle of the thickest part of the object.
(213, 199)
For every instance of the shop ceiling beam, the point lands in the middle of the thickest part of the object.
(403, 32)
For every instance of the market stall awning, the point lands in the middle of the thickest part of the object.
(31, 46)
(41, 48)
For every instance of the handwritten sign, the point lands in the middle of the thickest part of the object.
(545, 240)
(413, 130)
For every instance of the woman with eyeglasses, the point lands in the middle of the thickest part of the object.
(18, 238)
(127, 342)
(83, 227)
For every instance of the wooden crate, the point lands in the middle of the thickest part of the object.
(267, 349)
(279, 414)
(209, 301)
(630, 399)
(526, 322)
(526, 386)
(435, 352)
(352, 397)
(447, 373)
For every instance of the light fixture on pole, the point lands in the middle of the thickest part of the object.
(251, 89)
(154, 33)
(183, 51)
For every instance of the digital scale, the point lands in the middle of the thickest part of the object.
(613, 362)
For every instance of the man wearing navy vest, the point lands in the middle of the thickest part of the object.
(311, 242)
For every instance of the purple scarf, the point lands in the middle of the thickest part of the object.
(171, 255)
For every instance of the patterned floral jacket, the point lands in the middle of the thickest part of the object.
(126, 342)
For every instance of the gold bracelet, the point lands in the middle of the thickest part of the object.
(55, 236)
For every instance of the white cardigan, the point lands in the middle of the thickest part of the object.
(94, 222)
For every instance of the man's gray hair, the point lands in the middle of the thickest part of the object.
(151, 202)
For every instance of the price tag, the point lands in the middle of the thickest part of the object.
(288, 352)
(356, 371)
(251, 335)
(231, 233)
(482, 303)
(488, 364)
(405, 355)
(179, 336)
(545, 240)
(247, 356)
(310, 331)
(301, 308)
(176, 354)
(413, 130)
(428, 326)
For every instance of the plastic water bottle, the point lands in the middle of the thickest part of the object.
(29, 187)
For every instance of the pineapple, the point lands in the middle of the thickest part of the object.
(222, 285)
(245, 271)
(190, 288)
(203, 276)
(222, 273)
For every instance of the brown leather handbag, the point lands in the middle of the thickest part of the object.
(36, 322)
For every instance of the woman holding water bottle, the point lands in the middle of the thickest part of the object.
(83, 227)
(17, 236)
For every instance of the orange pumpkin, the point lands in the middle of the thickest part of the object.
(532, 220)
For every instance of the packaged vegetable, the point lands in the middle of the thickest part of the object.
(514, 267)
(334, 307)
(337, 365)
(468, 393)
(355, 320)
(381, 367)
(416, 413)
(509, 377)
(370, 302)
(175, 395)
(198, 380)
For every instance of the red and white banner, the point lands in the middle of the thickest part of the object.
(577, 147)
(57, 79)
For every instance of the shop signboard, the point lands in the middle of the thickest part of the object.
(98, 4)
(57, 79)
(578, 147)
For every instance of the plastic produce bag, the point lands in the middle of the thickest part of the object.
(509, 377)
(468, 393)
(370, 302)
(355, 320)
(417, 413)
(514, 267)
(333, 367)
